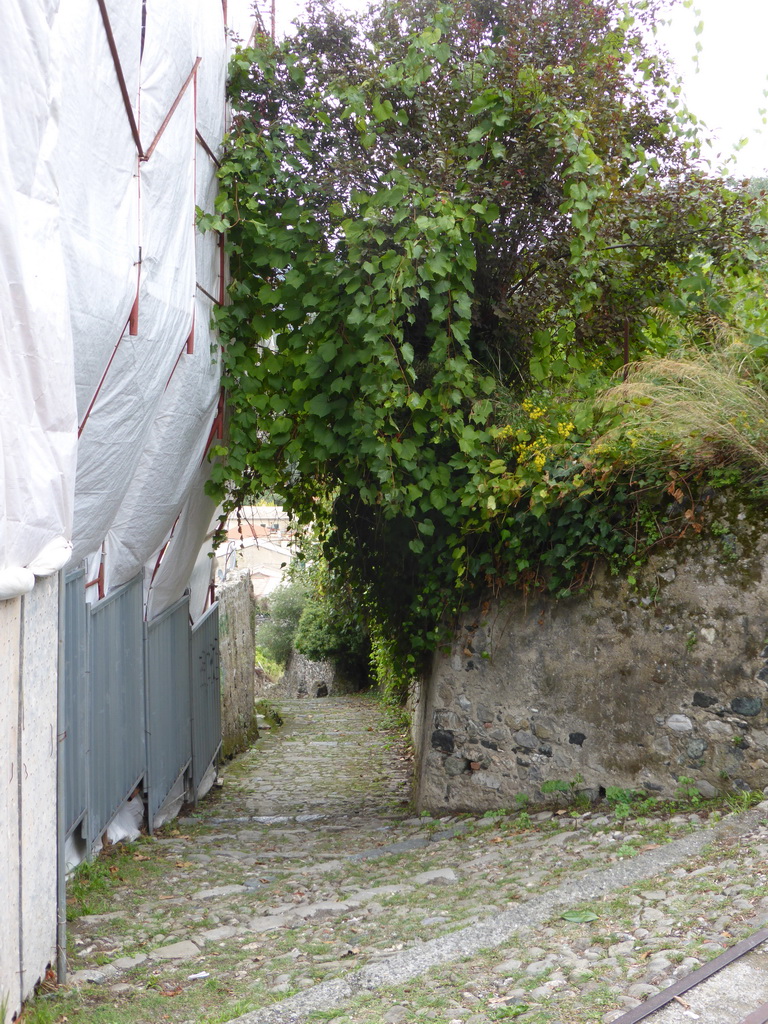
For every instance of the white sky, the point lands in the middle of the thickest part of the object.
(726, 93)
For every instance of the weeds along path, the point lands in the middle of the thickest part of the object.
(306, 890)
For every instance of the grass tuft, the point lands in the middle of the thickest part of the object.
(704, 408)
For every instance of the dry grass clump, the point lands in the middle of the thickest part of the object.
(701, 408)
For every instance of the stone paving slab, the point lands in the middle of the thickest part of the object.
(495, 931)
(308, 886)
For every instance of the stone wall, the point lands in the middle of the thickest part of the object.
(305, 678)
(237, 619)
(631, 686)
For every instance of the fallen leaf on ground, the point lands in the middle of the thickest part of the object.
(579, 916)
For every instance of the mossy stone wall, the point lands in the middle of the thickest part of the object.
(634, 686)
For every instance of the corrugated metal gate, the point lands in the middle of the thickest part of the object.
(142, 703)
(206, 703)
(118, 753)
(169, 732)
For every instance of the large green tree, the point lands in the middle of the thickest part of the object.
(428, 206)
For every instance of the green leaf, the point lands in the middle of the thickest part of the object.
(537, 370)
(319, 405)
(327, 351)
(579, 916)
(480, 131)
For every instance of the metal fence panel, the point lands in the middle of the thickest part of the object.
(141, 702)
(76, 700)
(206, 695)
(169, 737)
(118, 743)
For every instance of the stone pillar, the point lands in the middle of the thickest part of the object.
(237, 620)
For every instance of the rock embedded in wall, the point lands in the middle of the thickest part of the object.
(630, 686)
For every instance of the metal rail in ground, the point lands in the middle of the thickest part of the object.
(679, 988)
(758, 1016)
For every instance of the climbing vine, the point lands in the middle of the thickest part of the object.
(434, 212)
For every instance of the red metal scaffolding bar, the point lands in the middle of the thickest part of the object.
(172, 111)
(120, 76)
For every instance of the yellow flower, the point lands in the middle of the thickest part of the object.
(535, 412)
(502, 433)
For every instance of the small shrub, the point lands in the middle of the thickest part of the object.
(271, 668)
(687, 791)
(620, 800)
(743, 800)
(555, 786)
(276, 635)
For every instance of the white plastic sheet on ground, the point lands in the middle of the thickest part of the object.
(172, 804)
(126, 824)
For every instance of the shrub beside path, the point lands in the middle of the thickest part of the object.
(306, 889)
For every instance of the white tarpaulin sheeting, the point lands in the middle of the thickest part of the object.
(96, 171)
(37, 407)
(104, 318)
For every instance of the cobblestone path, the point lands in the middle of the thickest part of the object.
(306, 889)
(330, 758)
